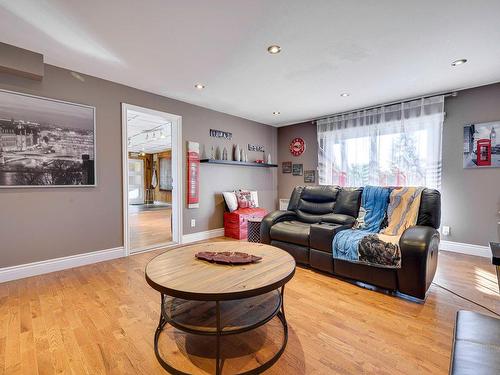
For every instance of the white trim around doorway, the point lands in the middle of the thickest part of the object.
(177, 202)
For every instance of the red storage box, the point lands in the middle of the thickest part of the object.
(235, 223)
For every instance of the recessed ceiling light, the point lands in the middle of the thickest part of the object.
(276, 113)
(199, 86)
(274, 49)
(344, 94)
(458, 62)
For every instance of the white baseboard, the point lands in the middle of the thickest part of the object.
(58, 264)
(200, 236)
(465, 248)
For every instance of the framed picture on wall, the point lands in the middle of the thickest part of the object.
(45, 142)
(286, 167)
(481, 147)
(297, 169)
(310, 176)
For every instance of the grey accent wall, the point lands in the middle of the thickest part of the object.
(470, 198)
(21, 62)
(307, 131)
(44, 223)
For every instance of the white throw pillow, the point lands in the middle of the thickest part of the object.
(231, 201)
(255, 197)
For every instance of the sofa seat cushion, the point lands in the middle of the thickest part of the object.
(294, 232)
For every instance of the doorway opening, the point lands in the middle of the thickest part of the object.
(152, 178)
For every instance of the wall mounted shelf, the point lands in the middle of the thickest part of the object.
(240, 163)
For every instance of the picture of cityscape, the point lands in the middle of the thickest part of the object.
(481, 148)
(45, 142)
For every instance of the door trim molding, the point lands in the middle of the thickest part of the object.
(177, 172)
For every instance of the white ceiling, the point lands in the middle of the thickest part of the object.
(148, 133)
(378, 50)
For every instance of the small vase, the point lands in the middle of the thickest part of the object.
(268, 161)
(237, 153)
(242, 155)
(224, 154)
(218, 155)
(212, 153)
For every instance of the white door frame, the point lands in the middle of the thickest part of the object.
(177, 202)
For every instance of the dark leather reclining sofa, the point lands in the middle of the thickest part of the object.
(316, 213)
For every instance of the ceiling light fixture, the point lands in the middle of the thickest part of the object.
(458, 62)
(276, 113)
(199, 86)
(274, 49)
(345, 94)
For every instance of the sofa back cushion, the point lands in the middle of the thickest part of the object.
(316, 201)
(348, 202)
(429, 213)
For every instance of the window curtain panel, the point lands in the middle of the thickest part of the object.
(393, 145)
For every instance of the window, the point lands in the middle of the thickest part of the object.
(166, 174)
(396, 145)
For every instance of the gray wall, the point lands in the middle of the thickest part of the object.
(470, 198)
(44, 223)
(309, 158)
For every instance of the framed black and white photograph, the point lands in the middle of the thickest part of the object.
(297, 169)
(481, 148)
(310, 176)
(286, 167)
(45, 142)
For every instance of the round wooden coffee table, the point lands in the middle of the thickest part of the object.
(212, 299)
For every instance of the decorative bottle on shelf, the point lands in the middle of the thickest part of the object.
(237, 153)
(224, 154)
(242, 155)
(211, 156)
(268, 160)
(218, 155)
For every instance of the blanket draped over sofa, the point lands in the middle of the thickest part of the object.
(367, 243)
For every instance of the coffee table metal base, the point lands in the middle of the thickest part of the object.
(219, 331)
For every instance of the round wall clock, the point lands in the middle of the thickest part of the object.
(297, 146)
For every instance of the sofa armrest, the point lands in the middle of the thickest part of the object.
(419, 255)
(272, 218)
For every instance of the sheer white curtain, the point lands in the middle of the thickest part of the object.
(394, 145)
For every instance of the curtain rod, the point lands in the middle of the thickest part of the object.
(444, 94)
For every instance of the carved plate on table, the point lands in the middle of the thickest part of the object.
(226, 257)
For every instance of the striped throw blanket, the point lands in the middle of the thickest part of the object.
(375, 246)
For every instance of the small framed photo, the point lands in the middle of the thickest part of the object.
(310, 176)
(297, 169)
(286, 167)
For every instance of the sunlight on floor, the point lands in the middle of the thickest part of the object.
(485, 282)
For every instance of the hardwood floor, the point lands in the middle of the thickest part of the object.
(100, 319)
(149, 227)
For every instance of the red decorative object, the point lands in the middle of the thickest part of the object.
(297, 146)
(235, 223)
(484, 152)
(226, 257)
(193, 162)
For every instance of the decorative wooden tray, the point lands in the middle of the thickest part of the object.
(226, 257)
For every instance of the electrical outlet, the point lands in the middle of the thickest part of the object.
(445, 230)
(193, 223)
